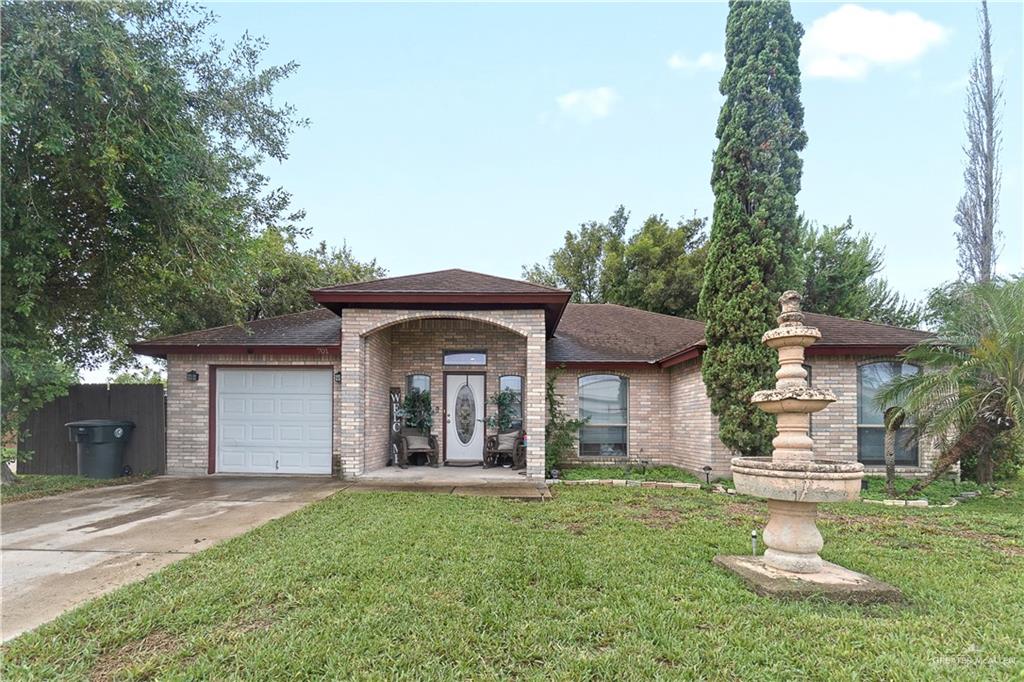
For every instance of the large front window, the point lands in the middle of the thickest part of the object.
(871, 420)
(604, 404)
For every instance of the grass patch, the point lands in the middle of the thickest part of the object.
(30, 486)
(939, 492)
(653, 473)
(600, 583)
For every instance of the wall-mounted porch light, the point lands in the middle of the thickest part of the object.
(192, 375)
(337, 377)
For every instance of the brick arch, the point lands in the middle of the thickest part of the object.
(401, 316)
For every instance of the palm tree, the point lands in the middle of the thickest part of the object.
(971, 388)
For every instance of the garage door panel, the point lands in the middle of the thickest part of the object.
(318, 407)
(291, 406)
(319, 434)
(232, 406)
(292, 433)
(262, 382)
(274, 420)
(262, 406)
(231, 381)
(264, 432)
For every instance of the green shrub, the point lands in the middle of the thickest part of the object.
(560, 432)
(1007, 456)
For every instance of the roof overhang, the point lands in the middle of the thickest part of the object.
(156, 350)
(695, 351)
(685, 355)
(856, 349)
(610, 364)
(552, 303)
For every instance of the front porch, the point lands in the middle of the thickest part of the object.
(444, 476)
(458, 361)
(453, 480)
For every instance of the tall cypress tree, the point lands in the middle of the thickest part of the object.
(754, 232)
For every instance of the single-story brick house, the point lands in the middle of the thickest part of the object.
(313, 392)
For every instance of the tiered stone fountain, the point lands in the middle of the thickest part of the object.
(793, 482)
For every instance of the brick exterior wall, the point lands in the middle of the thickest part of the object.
(696, 443)
(670, 420)
(649, 435)
(188, 403)
(516, 338)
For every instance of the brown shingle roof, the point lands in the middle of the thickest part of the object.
(454, 281)
(586, 333)
(312, 328)
(839, 331)
(605, 332)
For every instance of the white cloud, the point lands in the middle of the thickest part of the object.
(849, 41)
(588, 105)
(705, 61)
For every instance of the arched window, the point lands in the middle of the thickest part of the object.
(604, 403)
(870, 420)
(513, 383)
(417, 382)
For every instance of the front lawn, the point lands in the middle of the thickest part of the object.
(938, 492)
(655, 473)
(37, 485)
(601, 582)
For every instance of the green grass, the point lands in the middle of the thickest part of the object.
(600, 583)
(34, 485)
(939, 492)
(656, 473)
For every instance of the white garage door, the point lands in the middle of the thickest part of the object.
(274, 421)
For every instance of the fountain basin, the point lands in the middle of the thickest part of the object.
(797, 481)
(800, 399)
(790, 335)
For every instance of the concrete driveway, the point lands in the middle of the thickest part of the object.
(61, 551)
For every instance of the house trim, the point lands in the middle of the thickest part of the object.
(161, 351)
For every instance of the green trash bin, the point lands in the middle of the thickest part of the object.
(100, 446)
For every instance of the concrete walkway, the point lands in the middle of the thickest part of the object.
(61, 551)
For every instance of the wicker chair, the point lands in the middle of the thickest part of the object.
(413, 442)
(506, 443)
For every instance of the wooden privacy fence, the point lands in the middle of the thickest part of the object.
(52, 451)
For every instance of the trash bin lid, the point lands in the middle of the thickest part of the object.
(97, 423)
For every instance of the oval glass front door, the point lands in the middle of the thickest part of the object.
(465, 414)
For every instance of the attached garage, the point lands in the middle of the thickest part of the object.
(273, 420)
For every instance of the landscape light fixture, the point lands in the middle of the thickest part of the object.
(192, 375)
(707, 474)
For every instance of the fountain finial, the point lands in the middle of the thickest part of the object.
(792, 315)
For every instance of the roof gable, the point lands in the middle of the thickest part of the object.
(447, 290)
(452, 281)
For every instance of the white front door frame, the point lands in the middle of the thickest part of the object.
(457, 451)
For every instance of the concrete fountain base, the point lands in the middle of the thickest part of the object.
(832, 582)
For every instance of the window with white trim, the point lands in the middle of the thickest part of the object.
(604, 404)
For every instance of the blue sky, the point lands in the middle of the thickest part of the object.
(473, 136)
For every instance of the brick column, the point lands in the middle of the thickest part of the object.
(349, 455)
(534, 404)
